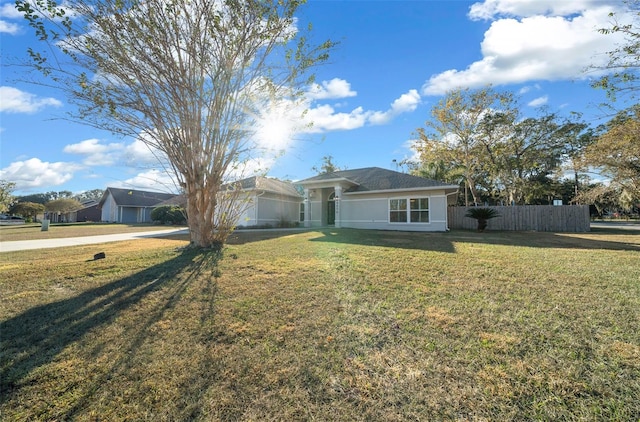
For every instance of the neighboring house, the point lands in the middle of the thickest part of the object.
(376, 198)
(270, 202)
(129, 205)
(89, 212)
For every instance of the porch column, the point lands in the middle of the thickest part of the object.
(338, 199)
(307, 208)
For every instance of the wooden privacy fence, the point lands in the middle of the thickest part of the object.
(542, 218)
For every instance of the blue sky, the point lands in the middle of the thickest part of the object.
(394, 61)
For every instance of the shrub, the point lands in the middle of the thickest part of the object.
(169, 214)
(482, 215)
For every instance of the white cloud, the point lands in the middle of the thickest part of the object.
(335, 88)
(492, 8)
(539, 101)
(407, 102)
(411, 154)
(17, 101)
(34, 173)
(95, 153)
(9, 10)
(152, 180)
(139, 154)
(534, 48)
(8, 27)
(528, 88)
(324, 118)
(136, 154)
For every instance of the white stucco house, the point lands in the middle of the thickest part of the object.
(376, 198)
(367, 198)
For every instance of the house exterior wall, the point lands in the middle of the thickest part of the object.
(270, 209)
(274, 209)
(109, 210)
(248, 217)
(371, 211)
(89, 214)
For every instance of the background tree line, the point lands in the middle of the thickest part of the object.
(30, 206)
(480, 140)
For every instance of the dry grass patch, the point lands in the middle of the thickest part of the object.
(326, 325)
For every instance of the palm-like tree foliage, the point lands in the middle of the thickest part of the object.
(482, 215)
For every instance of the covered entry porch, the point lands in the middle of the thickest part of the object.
(322, 202)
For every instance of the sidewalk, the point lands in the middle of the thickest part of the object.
(23, 245)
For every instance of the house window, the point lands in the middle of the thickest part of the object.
(409, 210)
(398, 210)
(302, 211)
(419, 210)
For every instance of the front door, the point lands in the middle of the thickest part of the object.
(331, 210)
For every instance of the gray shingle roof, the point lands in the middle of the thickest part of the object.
(269, 184)
(135, 198)
(376, 179)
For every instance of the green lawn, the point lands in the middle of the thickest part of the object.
(326, 325)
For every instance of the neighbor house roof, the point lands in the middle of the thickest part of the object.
(175, 201)
(268, 184)
(135, 198)
(372, 179)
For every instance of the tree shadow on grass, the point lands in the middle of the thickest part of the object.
(445, 242)
(437, 242)
(36, 337)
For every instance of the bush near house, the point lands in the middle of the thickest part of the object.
(169, 214)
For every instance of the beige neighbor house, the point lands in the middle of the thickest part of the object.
(270, 203)
(376, 198)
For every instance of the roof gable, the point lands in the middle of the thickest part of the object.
(372, 179)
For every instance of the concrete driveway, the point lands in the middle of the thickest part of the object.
(23, 245)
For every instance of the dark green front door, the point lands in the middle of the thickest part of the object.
(331, 213)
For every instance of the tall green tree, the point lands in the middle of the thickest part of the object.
(63, 205)
(6, 195)
(93, 195)
(622, 76)
(452, 134)
(575, 136)
(327, 166)
(28, 209)
(191, 79)
(616, 153)
(520, 154)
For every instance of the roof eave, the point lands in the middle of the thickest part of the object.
(443, 187)
(317, 183)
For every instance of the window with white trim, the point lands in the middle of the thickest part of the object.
(302, 211)
(419, 210)
(397, 210)
(409, 210)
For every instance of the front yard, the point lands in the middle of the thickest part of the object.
(326, 325)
